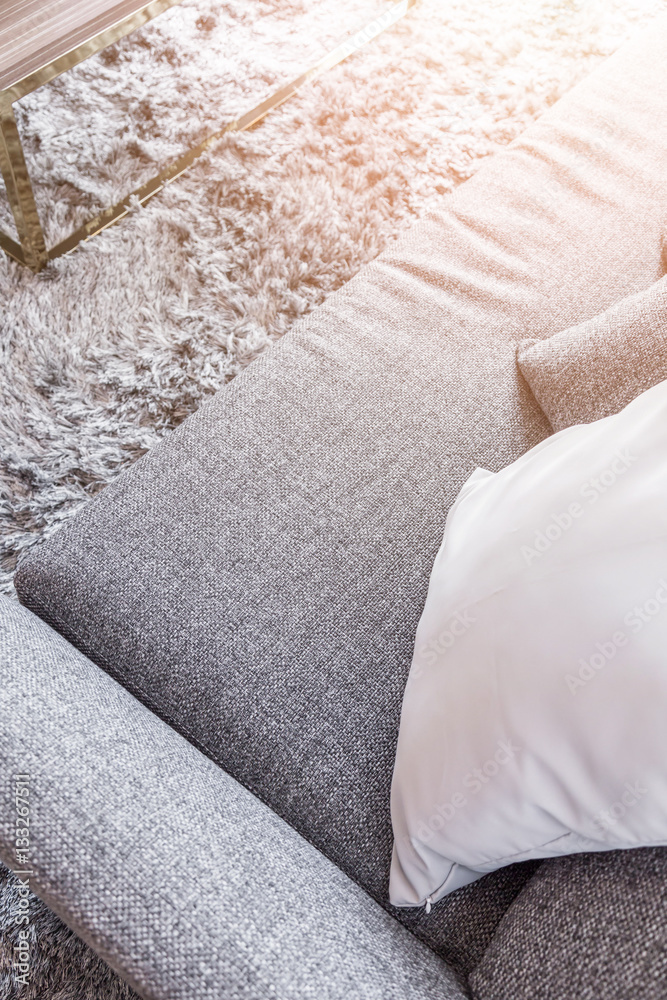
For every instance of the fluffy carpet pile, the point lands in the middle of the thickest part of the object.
(110, 348)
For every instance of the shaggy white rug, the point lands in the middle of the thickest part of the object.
(110, 348)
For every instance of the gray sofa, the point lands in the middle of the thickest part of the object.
(205, 681)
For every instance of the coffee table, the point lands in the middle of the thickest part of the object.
(40, 39)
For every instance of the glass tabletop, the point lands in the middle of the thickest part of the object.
(35, 33)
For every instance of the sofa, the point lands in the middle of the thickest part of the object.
(204, 679)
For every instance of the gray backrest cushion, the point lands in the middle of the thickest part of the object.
(258, 577)
(171, 870)
(596, 368)
(586, 926)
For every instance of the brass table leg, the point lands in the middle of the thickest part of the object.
(33, 250)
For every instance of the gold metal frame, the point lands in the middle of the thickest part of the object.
(32, 250)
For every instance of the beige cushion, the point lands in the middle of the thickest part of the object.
(594, 369)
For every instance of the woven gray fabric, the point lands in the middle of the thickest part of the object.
(598, 367)
(173, 872)
(258, 577)
(62, 966)
(590, 926)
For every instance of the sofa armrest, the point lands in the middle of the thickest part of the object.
(183, 881)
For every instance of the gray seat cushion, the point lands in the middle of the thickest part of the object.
(588, 925)
(258, 577)
(186, 884)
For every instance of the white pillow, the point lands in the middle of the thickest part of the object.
(534, 720)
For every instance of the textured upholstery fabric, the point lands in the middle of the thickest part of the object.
(172, 871)
(590, 926)
(258, 577)
(597, 367)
